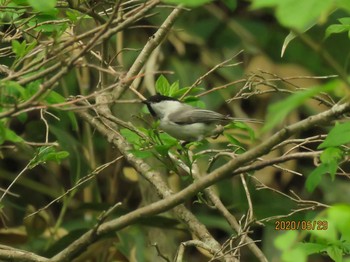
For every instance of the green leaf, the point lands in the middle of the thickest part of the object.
(293, 255)
(286, 241)
(130, 136)
(12, 136)
(344, 20)
(345, 245)
(331, 157)
(231, 4)
(11, 92)
(32, 88)
(22, 48)
(335, 253)
(242, 126)
(312, 248)
(278, 112)
(292, 34)
(141, 153)
(23, 117)
(339, 135)
(286, 41)
(167, 139)
(56, 26)
(343, 4)
(7, 134)
(297, 14)
(133, 242)
(57, 156)
(30, 46)
(173, 88)
(19, 48)
(339, 215)
(162, 86)
(328, 236)
(194, 101)
(331, 154)
(189, 3)
(233, 140)
(332, 169)
(240, 147)
(315, 177)
(47, 153)
(336, 29)
(73, 15)
(53, 97)
(183, 90)
(42, 5)
(162, 149)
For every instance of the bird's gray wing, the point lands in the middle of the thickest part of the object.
(197, 115)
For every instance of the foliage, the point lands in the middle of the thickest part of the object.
(329, 233)
(299, 14)
(344, 26)
(278, 111)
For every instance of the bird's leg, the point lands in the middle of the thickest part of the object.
(217, 131)
(184, 143)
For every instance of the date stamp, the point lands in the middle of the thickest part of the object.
(301, 225)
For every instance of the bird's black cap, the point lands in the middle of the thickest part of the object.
(158, 98)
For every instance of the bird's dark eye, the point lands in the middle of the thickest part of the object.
(150, 109)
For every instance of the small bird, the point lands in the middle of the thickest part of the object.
(185, 122)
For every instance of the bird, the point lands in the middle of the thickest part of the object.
(185, 122)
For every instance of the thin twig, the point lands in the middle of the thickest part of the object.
(153, 42)
(15, 179)
(172, 200)
(80, 182)
(200, 79)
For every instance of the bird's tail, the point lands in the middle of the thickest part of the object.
(247, 120)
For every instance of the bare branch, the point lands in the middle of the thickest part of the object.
(153, 42)
(172, 200)
(14, 254)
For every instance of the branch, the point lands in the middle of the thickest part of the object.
(200, 79)
(274, 161)
(215, 199)
(226, 170)
(234, 224)
(196, 243)
(13, 254)
(153, 177)
(153, 42)
(172, 200)
(103, 33)
(108, 128)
